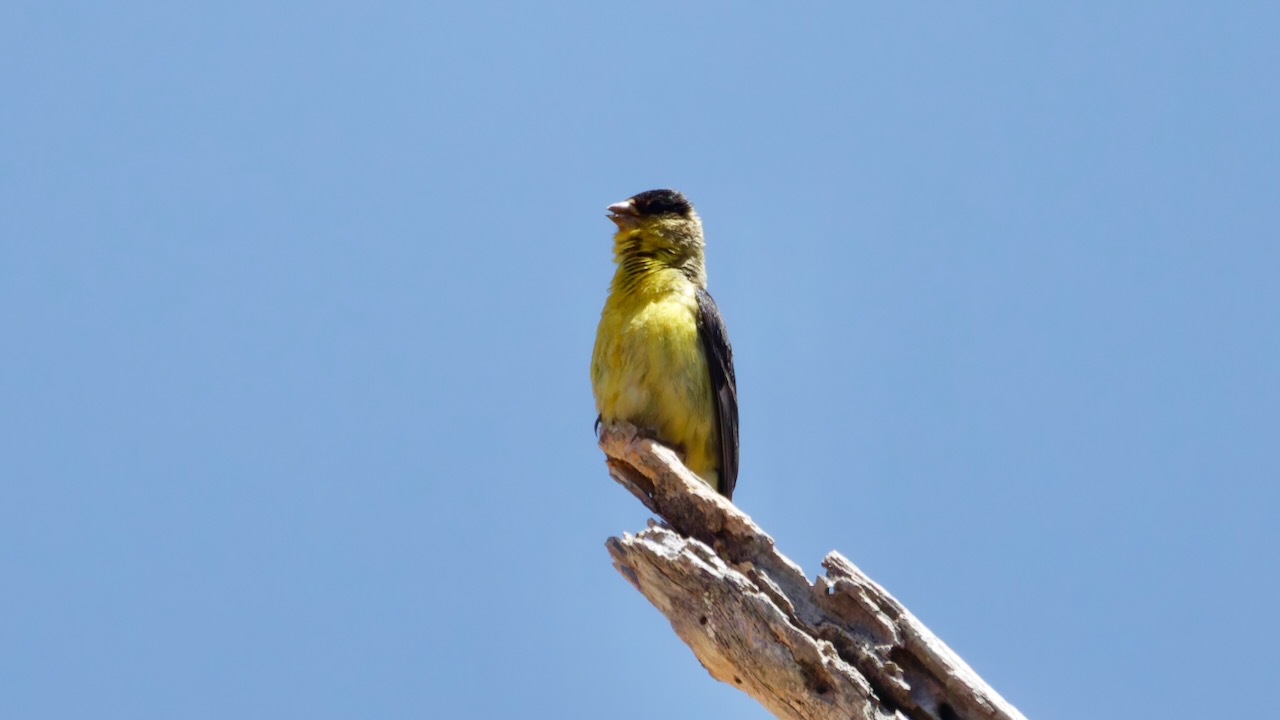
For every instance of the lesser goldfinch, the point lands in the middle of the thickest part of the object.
(662, 359)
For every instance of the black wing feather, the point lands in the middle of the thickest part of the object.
(724, 387)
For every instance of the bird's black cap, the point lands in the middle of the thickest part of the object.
(661, 202)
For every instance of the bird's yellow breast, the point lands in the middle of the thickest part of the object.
(649, 367)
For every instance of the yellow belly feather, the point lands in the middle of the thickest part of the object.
(649, 368)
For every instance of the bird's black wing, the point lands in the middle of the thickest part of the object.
(724, 387)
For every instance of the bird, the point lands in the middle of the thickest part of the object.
(662, 359)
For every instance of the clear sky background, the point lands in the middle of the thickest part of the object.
(298, 302)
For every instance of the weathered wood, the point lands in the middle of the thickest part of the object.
(840, 647)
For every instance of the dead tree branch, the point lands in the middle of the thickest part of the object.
(841, 647)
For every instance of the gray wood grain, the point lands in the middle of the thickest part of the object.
(839, 647)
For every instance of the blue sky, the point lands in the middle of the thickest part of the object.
(300, 299)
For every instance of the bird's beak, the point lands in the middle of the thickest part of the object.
(623, 214)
